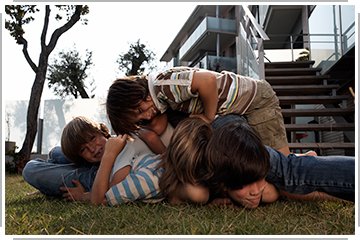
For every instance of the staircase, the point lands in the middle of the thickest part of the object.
(303, 92)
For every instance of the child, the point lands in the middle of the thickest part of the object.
(122, 161)
(201, 93)
(199, 178)
(183, 163)
(239, 166)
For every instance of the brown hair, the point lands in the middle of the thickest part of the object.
(183, 159)
(236, 157)
(78, 132)
(124, 96)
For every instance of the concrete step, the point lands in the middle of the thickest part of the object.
(320, 127)
(318, 112)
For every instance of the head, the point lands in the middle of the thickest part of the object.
(128, 102)
(183, 159)
(236, 158)
(83, 140)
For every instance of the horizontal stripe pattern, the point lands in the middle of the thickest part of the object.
(141, 185)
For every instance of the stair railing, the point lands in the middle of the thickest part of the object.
(251, 37)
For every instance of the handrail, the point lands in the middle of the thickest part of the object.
(258, 28)
(251, 25)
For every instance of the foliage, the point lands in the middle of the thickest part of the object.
(19, 16)
(67, 74)
(8, 125)
(40, 215)
(69, 9)
(17, 164)
(304, 56)
(133, 62)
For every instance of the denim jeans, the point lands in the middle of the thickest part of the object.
(57, 171)
(334, 175)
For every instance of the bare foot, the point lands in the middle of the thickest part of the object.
(37, 192)
(309, 153)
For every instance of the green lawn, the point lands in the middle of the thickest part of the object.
(39, 215)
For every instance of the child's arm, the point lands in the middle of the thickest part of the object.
(205, 84)
(150, 134)
(152, 140)
(158, 124)
(101, 184)
(78, 193)
(314, 196)
(270, 194)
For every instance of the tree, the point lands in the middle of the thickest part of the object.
(21, 15)
(67, 76)
(133, 60)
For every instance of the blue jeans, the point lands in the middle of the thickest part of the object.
(334, 175)
(57, 171)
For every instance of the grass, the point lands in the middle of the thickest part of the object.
(38, 215)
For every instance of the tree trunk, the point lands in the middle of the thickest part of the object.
(33, 108)
(38, 85)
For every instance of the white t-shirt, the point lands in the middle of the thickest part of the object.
(137, 147)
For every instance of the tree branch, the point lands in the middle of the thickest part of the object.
(23, 41)
(45, 28)
(58, 32)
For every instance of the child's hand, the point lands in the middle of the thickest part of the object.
(76, 193)
(115, 145)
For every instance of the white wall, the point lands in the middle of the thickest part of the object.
(18, 113)
(56, 114)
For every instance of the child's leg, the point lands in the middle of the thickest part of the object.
(48, 177)
(56, 156)
(265, 117)
(334, 175)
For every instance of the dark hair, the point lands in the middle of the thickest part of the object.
(236, 157)
(183, 159)
(124, 96)
(76, 133)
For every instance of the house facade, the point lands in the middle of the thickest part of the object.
(247, 39)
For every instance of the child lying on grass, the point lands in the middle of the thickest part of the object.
(235, 164)
(124, 164)
(239, 164)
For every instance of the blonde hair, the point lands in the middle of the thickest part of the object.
(183, 159)
(78, 132)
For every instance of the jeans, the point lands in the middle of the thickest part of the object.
(334, 175)
(48, 176)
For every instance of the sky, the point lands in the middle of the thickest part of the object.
(111, 28)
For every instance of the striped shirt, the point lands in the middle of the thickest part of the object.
(172, 88)
(141, 185)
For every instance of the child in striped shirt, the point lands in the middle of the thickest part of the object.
(198, 93)
(103, 169)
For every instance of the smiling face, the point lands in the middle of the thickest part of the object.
(250, 195)
(93, 150)
(146, 110)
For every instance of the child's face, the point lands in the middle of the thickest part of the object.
(94, 149)
(250, 195)
(146, 110)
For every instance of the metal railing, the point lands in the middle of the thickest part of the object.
(251, 37)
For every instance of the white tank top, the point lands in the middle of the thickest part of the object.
(137, 147)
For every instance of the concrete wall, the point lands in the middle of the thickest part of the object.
(56, 113)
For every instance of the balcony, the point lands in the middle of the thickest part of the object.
(204, 36)
(217, 64)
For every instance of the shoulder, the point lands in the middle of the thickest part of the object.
(270, 194)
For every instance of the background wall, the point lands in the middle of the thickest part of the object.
(56, 113)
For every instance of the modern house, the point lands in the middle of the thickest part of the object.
(306, 52)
